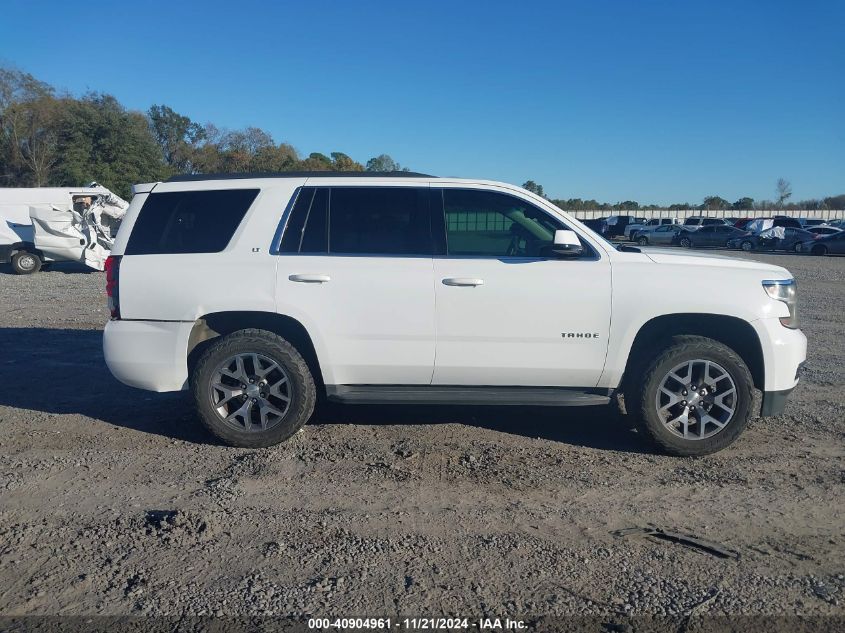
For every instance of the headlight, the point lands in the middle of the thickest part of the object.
(785, 290)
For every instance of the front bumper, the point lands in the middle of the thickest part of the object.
(784, 355)
(150, 355)
(774, 402)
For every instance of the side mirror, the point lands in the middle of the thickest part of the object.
(567, 244)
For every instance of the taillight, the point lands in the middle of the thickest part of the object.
(112, 287)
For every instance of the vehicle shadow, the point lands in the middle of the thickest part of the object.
(65, 268)
(62, 371)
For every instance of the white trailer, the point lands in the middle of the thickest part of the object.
(45, 224)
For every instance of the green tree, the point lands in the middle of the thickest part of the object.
(715, 202)
(628, 205)
(28, 111)
(316, 162)
(743, 204)
(342, 162)
(384, 162)
(533, 187)
(280, 157)
(99, 139)
(176, 135)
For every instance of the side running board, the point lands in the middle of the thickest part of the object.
(459, 394)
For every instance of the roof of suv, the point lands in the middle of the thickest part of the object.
(299, 174)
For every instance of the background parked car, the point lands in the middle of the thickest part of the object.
(824, 230)
(695, 223)
(599, 225)
(632, 230)
(616, 224)
(824, 245)
(664, 234)
(808, 222)
(711, 235)
(773, 239)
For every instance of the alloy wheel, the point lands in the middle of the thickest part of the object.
(250, 392)
(696, 399)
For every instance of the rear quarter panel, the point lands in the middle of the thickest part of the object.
(183, 287)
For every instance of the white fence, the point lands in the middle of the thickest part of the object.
(824, 214)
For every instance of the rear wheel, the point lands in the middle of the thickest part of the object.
(26, 263)
(685, 242)
(797, 247)
(253, 389)
(695, 396)
(642, 240)
(746, 246)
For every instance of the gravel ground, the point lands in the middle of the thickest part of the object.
(114, 501)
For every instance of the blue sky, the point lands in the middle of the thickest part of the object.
(651, 101)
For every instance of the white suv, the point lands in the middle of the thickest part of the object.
(261, 292)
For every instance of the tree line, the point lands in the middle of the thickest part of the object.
(710, 203)
(51, 139)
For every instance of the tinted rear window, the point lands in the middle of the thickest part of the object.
(189, 221)
(380, 221)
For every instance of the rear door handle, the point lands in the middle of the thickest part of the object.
(310, 279)
(462, 281)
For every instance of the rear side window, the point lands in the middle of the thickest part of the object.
(380, 221)
(359, 221)
(307, 227)
(189, 221)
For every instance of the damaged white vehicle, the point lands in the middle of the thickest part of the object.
(46, 224)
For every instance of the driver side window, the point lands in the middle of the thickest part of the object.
(490, 224)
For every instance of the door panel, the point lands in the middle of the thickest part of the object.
(507, 312)
(358, 273)
(371, 317)
(513, 329)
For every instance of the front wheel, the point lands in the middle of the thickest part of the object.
(686, 242)
(26, 263)
(819, 250)
(253, 389)
(642, 241)
(797, 247)
(694, 397)
(747, 246)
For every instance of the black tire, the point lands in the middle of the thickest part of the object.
(819, 250)
(642, 240)
(302, 390)
(747, 246)
(685, 242)
(26, 263)
(677, 350)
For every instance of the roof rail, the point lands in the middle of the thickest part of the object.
(299, 174)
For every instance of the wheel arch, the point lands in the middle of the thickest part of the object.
(210, 327)
(734, 332)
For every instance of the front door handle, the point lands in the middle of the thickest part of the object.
(310, 279)
(462, 281)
